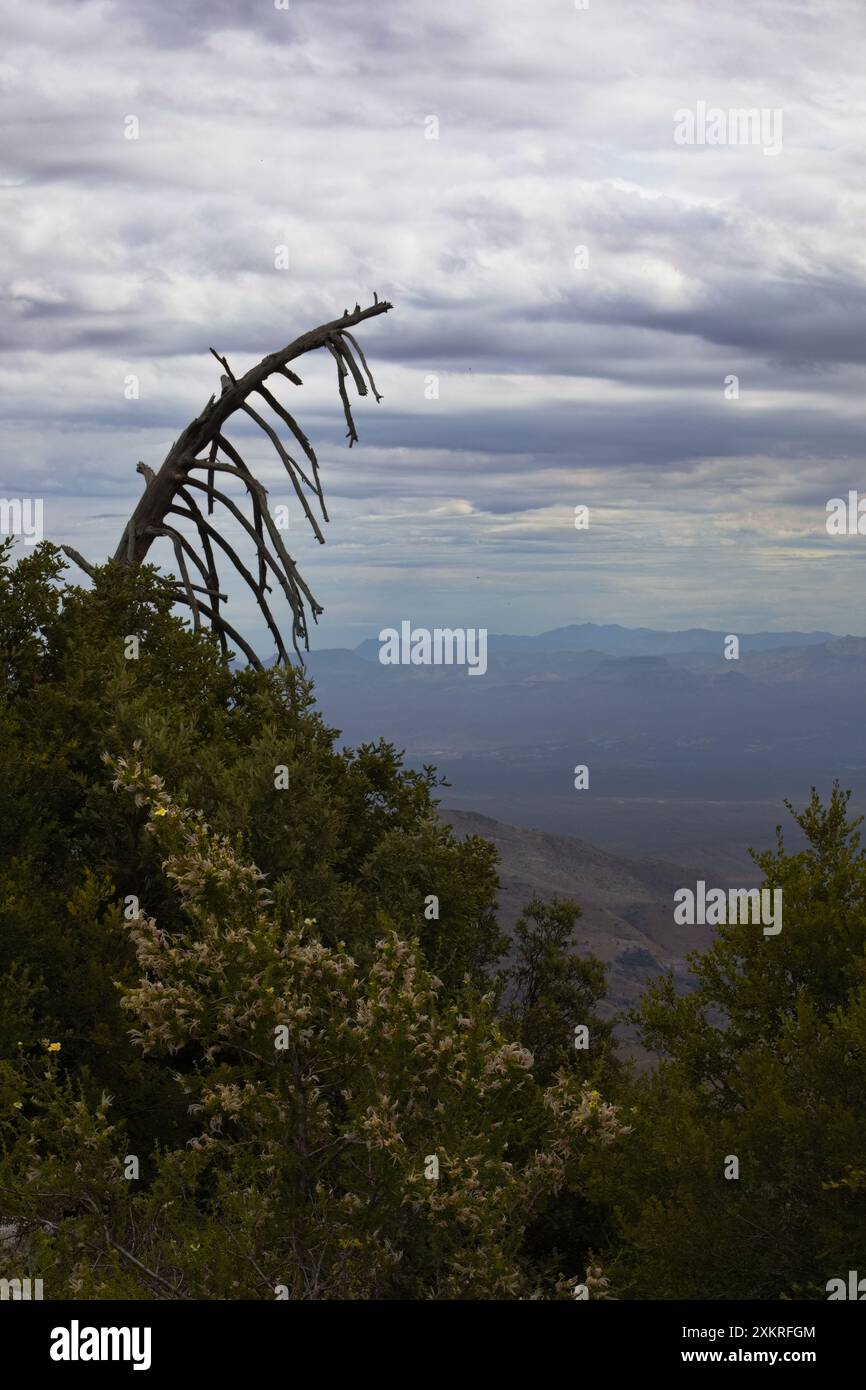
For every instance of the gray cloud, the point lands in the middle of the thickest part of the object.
(305, 127)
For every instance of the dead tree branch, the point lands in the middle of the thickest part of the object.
(200, 446)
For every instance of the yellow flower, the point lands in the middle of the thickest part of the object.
(54, 1047)
(160, 811)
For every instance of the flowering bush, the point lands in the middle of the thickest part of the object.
(318, 1090)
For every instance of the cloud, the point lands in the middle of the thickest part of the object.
(563, 376)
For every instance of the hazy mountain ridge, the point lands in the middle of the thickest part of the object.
(690, 755)
(613, 639)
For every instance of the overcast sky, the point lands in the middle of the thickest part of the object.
(560, 383)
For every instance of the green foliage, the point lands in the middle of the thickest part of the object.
(145, 965)
(319, 1093)
(285, 1049)
(766, 1061)
(353, 830)
(548, 992)
(551, 990)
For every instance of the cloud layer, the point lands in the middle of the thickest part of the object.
(562, 376)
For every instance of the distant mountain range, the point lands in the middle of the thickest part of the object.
(690, 756)
(614, 640)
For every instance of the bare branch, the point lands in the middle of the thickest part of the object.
(304, 442)
(220, 625)
(289, 465)
(225, 366)
(279, 409)
(79, 560)
(290, 376)
(166, 530)
(276, 539)
(341, 387)
(199, 445)
(258, 589)
(184, 574)
(180, 543)
(357, 346)
(146, 472)
(200, 589)
(209, 557)
(345, 353)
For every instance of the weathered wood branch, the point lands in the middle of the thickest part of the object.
(200, 445)
(79, 560)
(201, 433)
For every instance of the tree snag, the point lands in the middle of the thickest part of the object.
(203, 452)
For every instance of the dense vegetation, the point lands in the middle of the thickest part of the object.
(261, 1035)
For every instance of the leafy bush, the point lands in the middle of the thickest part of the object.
(218, 1080)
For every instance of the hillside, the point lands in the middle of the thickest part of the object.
(627, 903)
